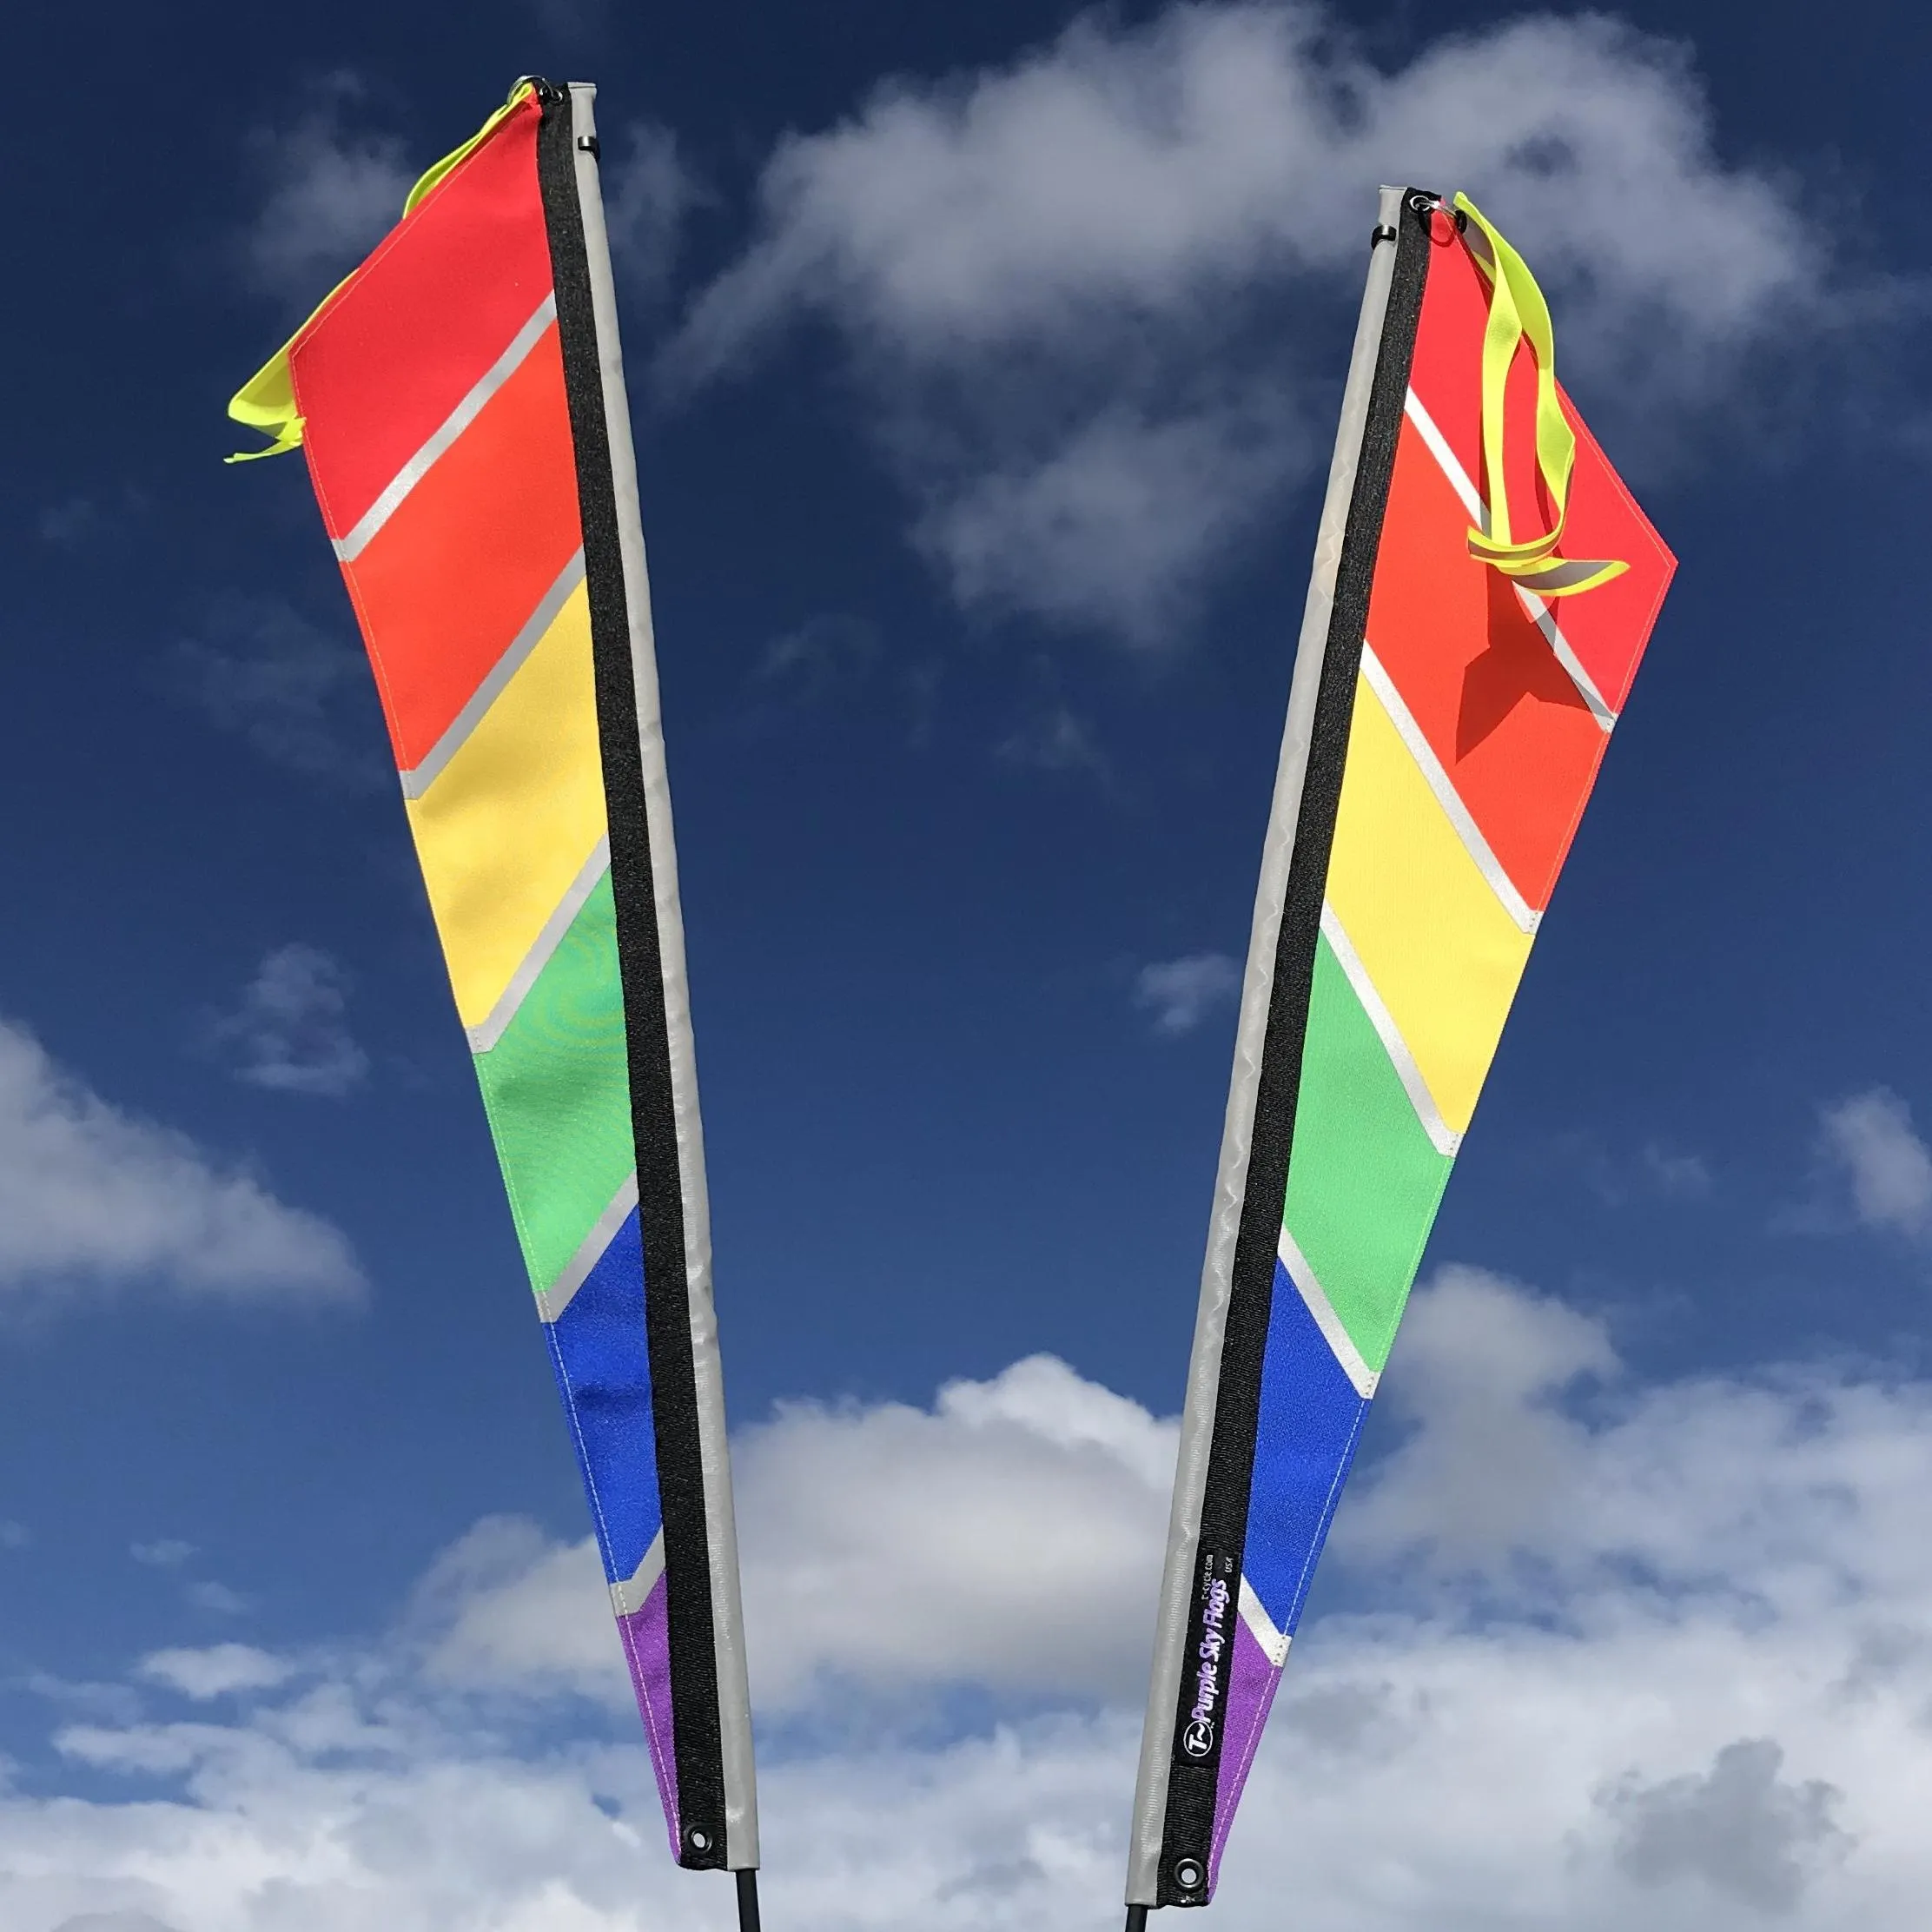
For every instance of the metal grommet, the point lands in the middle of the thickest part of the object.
(698, 1838)
(1187, 1875)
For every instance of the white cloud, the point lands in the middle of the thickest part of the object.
(1493, 1462)
(1677, 1175)
(1181, 993)
(1683, 1683)
(217, 1671)
(299, 696)
(1003, 1537)
(1655, 1172)
(334, 190)
(1051, 736)
(1096, 300)
(71, 524)
(111, 1922)
(290, 1034)
(569, 20)
(648, 193)
(207, 1594)
(118, 1704)
(826, 655)
(90, 1195)
(167, 1553)
(1869, 1141)
(504, 1607)
(1108, 526)
(1009, 1537)
(1740, 1827)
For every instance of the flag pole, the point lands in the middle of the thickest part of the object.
(748, 1900)
(1177, 1793)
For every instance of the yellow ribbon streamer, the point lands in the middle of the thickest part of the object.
(1517, 311)
(266, 401)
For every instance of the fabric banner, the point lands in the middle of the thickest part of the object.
(1456, 683)
(460, 401)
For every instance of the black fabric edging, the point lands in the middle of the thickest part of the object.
(697, 1738)
(1189, 1828)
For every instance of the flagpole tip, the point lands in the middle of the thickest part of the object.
(747, 1900)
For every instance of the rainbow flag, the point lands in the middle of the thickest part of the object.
(1455, 687)
(460, 401)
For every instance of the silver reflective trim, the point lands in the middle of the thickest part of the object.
(1563, 575)
(1358, 1373)
(590, 1251)
(491, 1029)
(418, 465)
(1197, 1415)
(627, 1598)
(1519, 909)
(734, 1690)
(1447, 461)
(1440, 1136)
(1261, 1628)
(419, 780)
(1459, 481)
(1546, 623)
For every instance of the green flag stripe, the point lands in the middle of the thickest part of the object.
(1363, 1180)
(556, 1088)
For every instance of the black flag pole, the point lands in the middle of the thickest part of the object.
(748, 1901)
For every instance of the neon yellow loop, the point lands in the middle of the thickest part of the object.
(266, 401)
(1517, 311)
(455, 158)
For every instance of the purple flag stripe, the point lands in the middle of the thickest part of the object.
(646, 1635)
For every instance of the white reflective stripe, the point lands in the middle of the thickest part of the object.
(419, 780)
(487, 1031)
(1546, 623)
(418, 465)
(1261, 1626)
(1459, 482)
(627, 1598)
(1454, 810)
(1447, 461)
(1326, 1319)
(590, 1251)
(1383, 1021)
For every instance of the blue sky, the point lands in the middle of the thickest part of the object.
(983, 362)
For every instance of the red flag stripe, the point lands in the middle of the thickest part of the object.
(397, 349)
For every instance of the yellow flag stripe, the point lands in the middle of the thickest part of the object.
(1438, 946)
(510, 820)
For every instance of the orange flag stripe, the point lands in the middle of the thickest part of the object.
(448, 582)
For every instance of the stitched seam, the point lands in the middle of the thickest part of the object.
(1250, 1744)
(625, 1634)
(1342, 1467)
